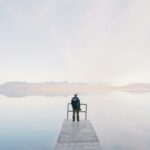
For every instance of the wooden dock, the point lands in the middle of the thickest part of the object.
(77, 136)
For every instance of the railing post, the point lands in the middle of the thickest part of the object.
(86, 113)
(81, 111)
(67, 111)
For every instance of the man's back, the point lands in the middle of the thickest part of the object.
(75, 102)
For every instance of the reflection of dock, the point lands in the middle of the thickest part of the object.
(77, 136)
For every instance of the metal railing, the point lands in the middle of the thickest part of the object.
(82, 111)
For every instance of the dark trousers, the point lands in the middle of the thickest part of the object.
(77, 113)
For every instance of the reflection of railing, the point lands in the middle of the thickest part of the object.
(68, 110)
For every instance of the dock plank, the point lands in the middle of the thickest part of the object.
(77, 136)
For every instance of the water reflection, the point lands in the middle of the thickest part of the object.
(120, 119)
(30, 122)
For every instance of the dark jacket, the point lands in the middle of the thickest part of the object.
(75, 102)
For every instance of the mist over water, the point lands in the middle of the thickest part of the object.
(120, 119)
(50, 49)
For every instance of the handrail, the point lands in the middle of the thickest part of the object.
(80, 111)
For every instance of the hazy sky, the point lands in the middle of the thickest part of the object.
(75, 40)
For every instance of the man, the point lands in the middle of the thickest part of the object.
(75, 102)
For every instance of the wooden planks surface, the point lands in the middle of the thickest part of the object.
(77, 136)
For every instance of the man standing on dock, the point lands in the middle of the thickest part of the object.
(75, 102)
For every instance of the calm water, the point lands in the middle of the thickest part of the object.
(121, 120)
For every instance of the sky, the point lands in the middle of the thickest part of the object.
(93, 41)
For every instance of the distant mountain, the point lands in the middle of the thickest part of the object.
(49, 88)
(17, 88)
(137, 86)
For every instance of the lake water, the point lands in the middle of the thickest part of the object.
(120, 119)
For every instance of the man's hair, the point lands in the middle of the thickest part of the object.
(75, 94)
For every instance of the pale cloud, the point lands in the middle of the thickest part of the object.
(32, 15)
(89, 41)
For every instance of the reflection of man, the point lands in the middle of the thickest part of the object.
(75, 102)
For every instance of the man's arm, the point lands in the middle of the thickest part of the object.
(79, 103)
(72, 102)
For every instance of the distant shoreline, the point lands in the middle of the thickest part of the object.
(19, 89)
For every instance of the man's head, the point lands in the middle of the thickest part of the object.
(75, 94)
